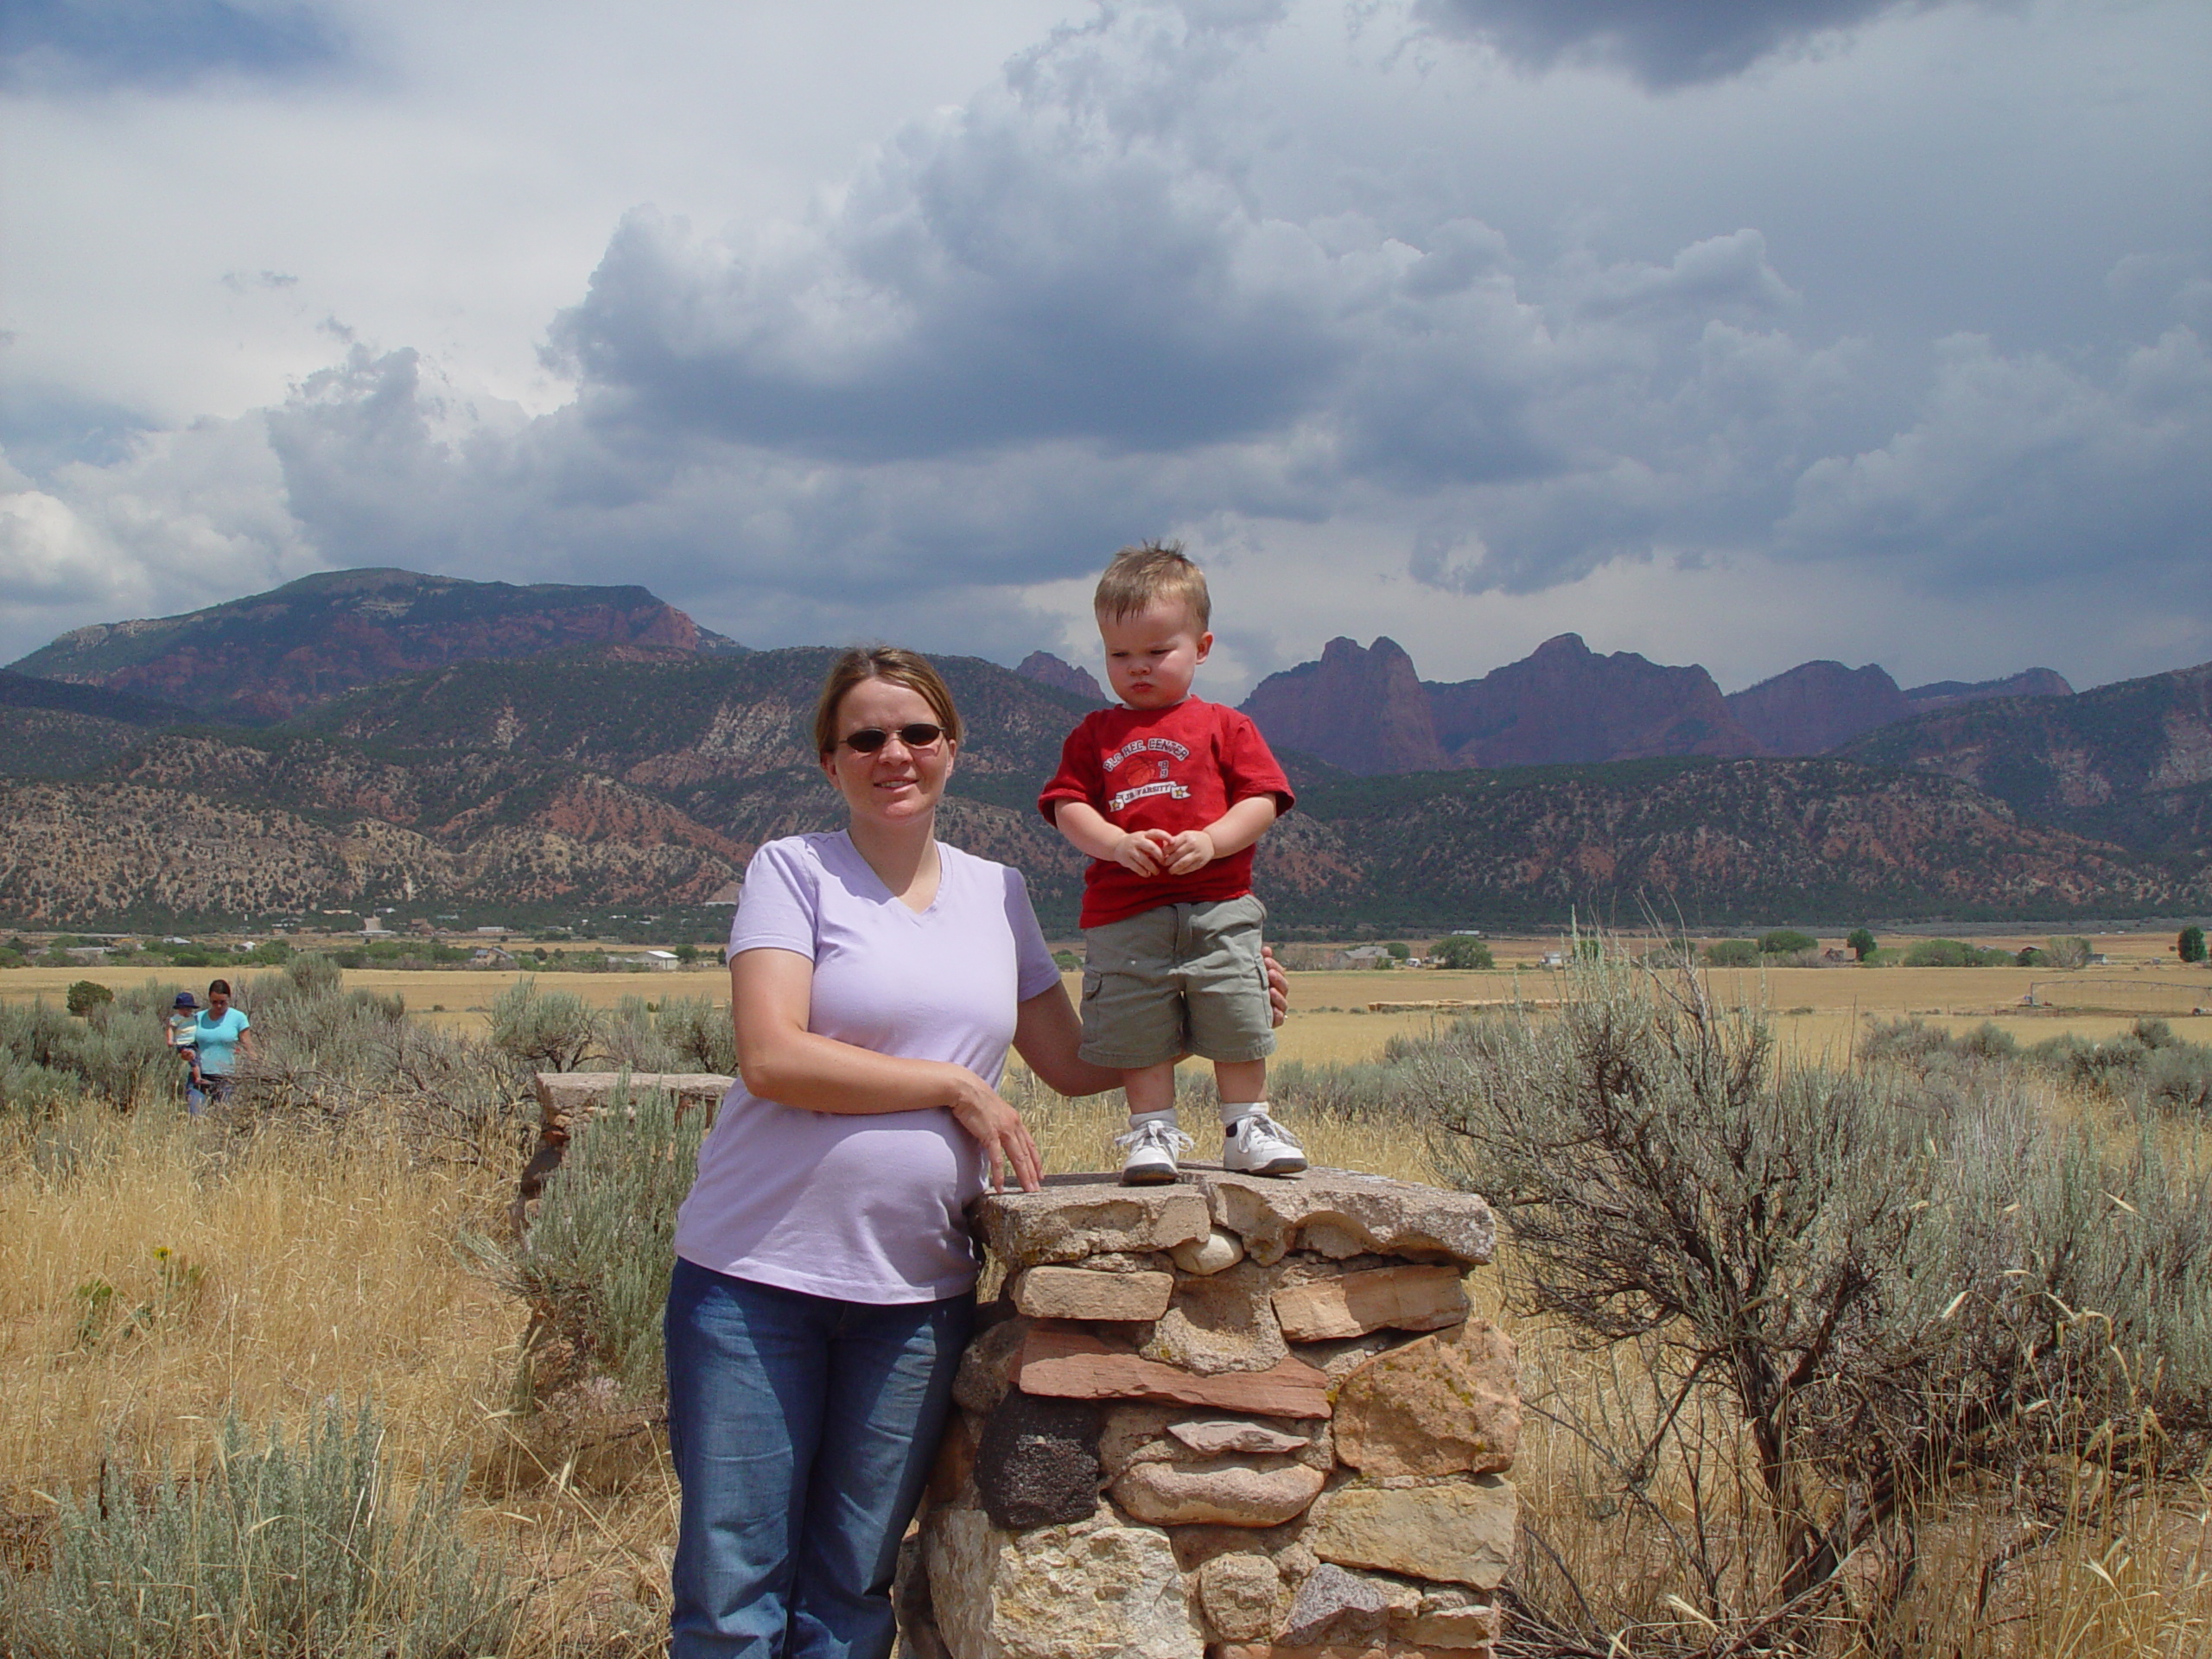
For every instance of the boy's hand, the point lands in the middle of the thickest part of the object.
(1145, 851)
(1190, 851)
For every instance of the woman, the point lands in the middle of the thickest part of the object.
(221, 1034)
(824, 1282)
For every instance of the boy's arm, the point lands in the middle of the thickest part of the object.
(1231, 833)
(1089, 830)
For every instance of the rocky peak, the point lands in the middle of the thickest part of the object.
(1816, 706)
(1565, 704)
(1048, 669)
(1363, 710)
(270, 656)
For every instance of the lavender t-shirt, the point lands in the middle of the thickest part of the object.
(866, 1207)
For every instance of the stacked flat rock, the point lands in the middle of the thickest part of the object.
(1229, 1418)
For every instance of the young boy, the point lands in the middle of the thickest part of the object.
(1167, 794)
(183, 1038)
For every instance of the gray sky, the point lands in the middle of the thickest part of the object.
(1737, 334)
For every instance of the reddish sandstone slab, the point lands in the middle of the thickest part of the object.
(1073, 1365)
(1407, 1298)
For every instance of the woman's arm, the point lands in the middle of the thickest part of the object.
(1047, 1031)
(781, 1060)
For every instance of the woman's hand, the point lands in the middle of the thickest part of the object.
(1278, 985)
(998, 1129)
(770, 992)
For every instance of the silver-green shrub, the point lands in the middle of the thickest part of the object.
(699, 1034)
(1893, 1270)
(281, 1548)
(594, 1264)
(325, 1054)
(543, 1031)
(115, 1054)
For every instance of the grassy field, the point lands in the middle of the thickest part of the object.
(1817, 1010)
(268, 1275)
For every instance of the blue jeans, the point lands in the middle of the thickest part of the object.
(802, 1429)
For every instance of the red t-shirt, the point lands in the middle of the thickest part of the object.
(1172, 769)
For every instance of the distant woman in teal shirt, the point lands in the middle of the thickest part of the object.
(222, 1034)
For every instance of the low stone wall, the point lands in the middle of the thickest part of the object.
(1230, 1418)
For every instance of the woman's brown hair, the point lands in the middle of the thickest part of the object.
(891, 662)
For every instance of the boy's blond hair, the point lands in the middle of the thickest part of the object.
(1152, 570)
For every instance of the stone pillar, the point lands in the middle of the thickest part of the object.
(1229, 1418)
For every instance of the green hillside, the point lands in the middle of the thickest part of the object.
(2130, 763)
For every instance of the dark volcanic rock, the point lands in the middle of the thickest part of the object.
(269, 656)
(1048, 669)
(1564, 704)
(1037, 1464)
(1816, 706)
(1362, 710)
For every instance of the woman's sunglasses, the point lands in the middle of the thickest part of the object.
(867, 740)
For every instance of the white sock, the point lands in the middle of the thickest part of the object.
(1235, 1112)
(1139, 1119)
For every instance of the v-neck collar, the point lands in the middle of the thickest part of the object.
(884, 887)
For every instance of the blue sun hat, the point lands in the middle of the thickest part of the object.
(186, 1000)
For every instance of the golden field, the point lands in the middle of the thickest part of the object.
(1816, 1010)
(330, 1268)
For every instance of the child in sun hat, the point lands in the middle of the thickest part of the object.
(183, 1036)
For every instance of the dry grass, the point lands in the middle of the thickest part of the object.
(300, 1269)
(266, 1279)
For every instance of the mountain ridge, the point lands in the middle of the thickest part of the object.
(577, 783)
(265, 657)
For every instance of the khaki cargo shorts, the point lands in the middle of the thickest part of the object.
(1182, 979)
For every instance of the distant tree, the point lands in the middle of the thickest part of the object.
(1462, 951)
(86, 996)
(686, 954)
(2031, 956)
(1939, 953)
(1731, 953)
(1066, 961)
(1786, 941)
(2191, 943)
(2068, 951)
(1398, 949)
(1861, 941)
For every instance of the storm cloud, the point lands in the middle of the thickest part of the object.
(1238, 272)
(1661, 45)
(58, 44)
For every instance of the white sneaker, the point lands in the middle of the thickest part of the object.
(1152, 1150)
(1256, 1145)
